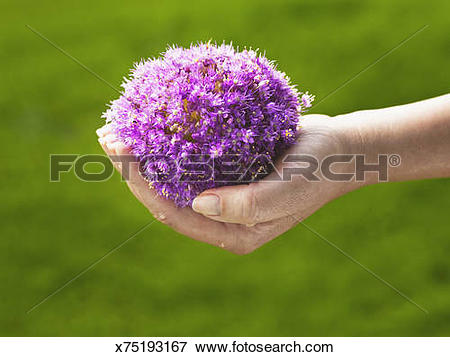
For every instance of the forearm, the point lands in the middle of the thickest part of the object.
(419, 133)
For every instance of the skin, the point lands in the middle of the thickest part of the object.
(242, 218)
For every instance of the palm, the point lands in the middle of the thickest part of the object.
(259, 227)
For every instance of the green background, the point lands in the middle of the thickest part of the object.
(162, 283)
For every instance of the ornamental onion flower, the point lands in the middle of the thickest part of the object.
(206, 116)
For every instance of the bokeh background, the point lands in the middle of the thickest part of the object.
(162, 283)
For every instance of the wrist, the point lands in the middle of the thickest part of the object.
(417, 134)
(361, 139)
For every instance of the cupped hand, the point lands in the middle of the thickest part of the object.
(242, 218)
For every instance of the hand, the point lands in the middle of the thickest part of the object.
(242, 218)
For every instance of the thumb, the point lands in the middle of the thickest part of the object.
(245, 204)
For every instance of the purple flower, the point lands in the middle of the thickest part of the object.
(194, 115)
(307, 100)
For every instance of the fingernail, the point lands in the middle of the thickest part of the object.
(118, 146)
(208, 204)
(101, 131)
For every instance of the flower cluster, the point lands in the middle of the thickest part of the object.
(212, 105)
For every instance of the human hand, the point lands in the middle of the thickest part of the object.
(243, 218)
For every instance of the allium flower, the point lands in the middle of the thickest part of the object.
(207, 109)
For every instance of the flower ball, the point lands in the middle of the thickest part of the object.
(206, 116)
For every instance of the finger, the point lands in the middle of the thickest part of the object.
(105, 129)
(110, 140)
(267, 231)
(245, 204)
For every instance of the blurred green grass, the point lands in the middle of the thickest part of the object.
(162, 283)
